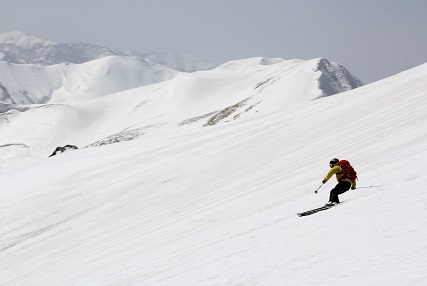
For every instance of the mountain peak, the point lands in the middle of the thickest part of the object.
(23, 40)
(334, 77)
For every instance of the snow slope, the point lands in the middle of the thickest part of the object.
(217, 205)
(27, 84)
(234, 91)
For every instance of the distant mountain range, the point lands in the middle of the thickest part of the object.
(39, 71)
(20, 48)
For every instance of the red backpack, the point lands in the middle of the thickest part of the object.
(348, 170)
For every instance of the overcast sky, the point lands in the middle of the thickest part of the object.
(372, 38)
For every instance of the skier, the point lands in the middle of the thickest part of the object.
(346, 180)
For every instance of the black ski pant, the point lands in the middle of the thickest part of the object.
(339, 189)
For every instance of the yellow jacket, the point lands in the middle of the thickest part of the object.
(337, 170)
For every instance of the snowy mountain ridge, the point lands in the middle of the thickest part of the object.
(114, 97)
(89, 74)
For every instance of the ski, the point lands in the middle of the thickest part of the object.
(313, 211)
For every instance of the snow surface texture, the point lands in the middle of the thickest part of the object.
(183, 204)
(217, 205)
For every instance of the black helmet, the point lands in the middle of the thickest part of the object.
(333, 162)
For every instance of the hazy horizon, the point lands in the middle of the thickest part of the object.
(373, 39)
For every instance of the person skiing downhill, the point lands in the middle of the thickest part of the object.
(345, 181)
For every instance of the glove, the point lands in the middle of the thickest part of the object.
(324, 181)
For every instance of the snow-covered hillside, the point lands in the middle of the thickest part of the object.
(217, 205)
(28, 84)
(72, 106)
(20, 48)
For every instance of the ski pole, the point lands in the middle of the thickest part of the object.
(318, 188)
